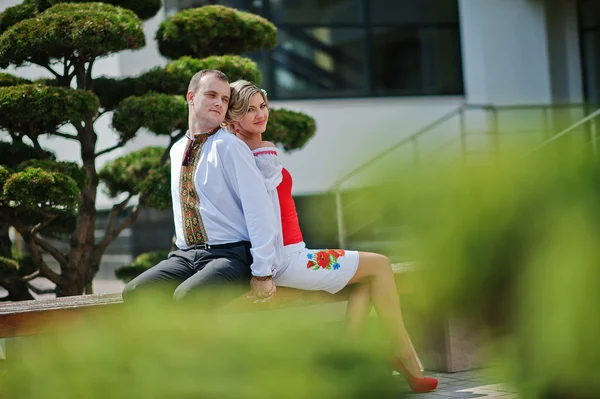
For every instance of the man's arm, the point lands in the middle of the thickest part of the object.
(248, 183)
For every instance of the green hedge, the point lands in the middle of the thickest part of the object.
(162, 114)
(35, 188)
(144, 9)
(82, 31)
(289, 128)
(214, 30)
(172, 79)
(17, 13)
(43, 108)
(139, 265)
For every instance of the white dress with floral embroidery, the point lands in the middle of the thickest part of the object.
(297, 266)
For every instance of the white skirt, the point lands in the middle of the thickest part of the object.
(316, 269)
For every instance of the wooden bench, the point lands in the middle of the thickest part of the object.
(26, 318)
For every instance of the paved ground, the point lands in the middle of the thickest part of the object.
(466, 384)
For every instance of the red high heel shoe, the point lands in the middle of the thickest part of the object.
(417, 385)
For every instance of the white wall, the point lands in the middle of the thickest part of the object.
(520, 51)
(350, 132)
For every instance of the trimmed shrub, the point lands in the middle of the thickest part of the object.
(160, 113)
(35, 188)
(71, 169)
(6, 79)
(289, 128)
(18, 13)
(156, 188)
(214, 30)
(42, 109)
(235, 67)
(125, 174)
(12, 154)
(139, 265)
(173, 79)
(144, 9)
(75, 31)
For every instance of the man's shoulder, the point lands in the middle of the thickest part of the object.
(226, 140)
(179, 145)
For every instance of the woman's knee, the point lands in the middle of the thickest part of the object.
(371, 265)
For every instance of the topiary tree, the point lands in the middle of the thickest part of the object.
(45, 198)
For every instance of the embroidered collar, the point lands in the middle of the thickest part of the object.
(190, 136)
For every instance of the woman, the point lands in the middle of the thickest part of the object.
(329, 270)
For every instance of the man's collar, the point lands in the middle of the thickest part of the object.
(191, 136)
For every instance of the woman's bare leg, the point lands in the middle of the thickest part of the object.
(376, 271)
(358, 309)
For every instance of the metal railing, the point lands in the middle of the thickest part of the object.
(552, 118)
(591, 118)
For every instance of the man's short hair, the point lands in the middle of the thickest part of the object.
(195, 81)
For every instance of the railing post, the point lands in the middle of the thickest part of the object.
(545, 125)
(594, 138)
(495, 133)
(340, 219)
(463, 134)
(415, 146)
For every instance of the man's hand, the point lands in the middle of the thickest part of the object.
(262, 290)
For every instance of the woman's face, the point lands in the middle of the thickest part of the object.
(255, 120)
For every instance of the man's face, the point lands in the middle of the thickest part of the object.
(209, 104)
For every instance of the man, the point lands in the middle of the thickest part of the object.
(224, 220)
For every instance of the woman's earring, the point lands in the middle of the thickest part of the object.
(237, 130)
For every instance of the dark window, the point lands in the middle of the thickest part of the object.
(316, 62)
(410, 12)
(589, 16)
(416, 61)
(322, 12)
(357, 48)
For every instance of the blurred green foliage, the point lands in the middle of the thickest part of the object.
(513, 242)
(217, 30)
(187, 353)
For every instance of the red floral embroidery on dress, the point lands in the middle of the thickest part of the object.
(325, 259)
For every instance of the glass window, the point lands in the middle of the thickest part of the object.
(416, 61)
(340, 48)
(591, 65)
(413, 11)
(590, 13)
(319, 62)
(315, 11)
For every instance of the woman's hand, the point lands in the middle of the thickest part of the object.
(263, 290)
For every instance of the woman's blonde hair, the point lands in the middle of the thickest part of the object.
(239, 102)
